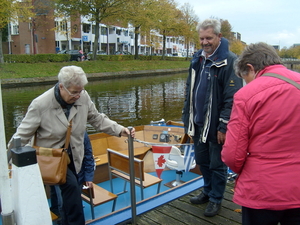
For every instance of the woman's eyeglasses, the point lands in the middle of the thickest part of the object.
(74, 94)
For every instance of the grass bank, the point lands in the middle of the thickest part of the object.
(26, 70)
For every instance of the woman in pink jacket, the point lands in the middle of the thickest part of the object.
(263, 142)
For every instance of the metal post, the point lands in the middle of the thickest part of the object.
(132, 177)
(5, 190)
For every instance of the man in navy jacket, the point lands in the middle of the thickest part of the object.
(209, 95)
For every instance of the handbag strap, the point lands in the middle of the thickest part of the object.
(292, 82)
(68, 136)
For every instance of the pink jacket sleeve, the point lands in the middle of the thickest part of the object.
(235, 149)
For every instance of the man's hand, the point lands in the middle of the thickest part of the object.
(221, 137)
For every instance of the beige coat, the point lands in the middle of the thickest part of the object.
(46, 116)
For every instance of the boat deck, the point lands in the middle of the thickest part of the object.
(172, 208)
(181, 211)
(175, 208)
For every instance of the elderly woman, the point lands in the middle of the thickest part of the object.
(262, 140)
(49, 115)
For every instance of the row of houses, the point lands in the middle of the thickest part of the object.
(45, 35)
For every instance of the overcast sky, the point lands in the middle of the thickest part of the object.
(276, 22)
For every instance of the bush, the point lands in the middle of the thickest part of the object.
(44, 58)
(38, 58)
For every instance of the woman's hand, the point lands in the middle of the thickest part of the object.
(125, 132)
(89, 184)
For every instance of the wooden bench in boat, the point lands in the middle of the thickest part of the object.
(101, 142)
(96, 196)
(119, 167)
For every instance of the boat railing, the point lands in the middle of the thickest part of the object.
(146, 143)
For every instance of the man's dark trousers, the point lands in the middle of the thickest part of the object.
(214, 171)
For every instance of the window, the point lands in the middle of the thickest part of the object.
(15, 30)
(63, 25)
(103, 30)
(112, 30)
(56, 25)
(86, 28)
(131, 34)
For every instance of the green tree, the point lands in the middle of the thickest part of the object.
(13, 10)
(96, 10)
(167, 21)
(292, 52)
(237, 47)
(189, 22)
(295, 52)
(140, 14)
(226, 30)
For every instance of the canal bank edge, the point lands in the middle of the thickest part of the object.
(24, 82)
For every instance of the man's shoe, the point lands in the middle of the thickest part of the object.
(199, 199)
(212, 209)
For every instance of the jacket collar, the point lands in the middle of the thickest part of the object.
(270, 69)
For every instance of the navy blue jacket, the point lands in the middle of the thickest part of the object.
(219, 94)
(88, 165)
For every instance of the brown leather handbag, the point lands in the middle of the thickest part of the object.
(53, 162)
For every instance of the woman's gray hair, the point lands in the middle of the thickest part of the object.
(259, 55)
(210, 23)
(72, 75)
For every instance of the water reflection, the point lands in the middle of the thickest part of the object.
(130, 102)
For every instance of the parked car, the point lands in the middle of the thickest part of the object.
(75, 55)
(122, 53)
(99, 52)
(62, 52)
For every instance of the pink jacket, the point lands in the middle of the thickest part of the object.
(263, 142)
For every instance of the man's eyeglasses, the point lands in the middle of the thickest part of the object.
(74, 94)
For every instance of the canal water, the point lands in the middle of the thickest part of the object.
(128, 101)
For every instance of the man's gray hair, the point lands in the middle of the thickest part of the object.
(210, 23)
(72, 75)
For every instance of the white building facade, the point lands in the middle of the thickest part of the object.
(113, 39)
